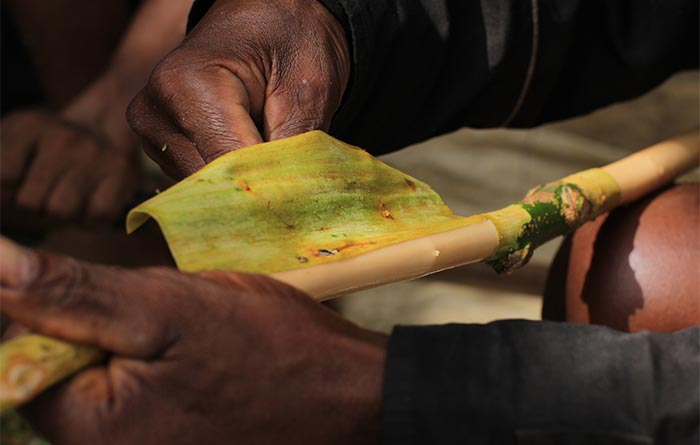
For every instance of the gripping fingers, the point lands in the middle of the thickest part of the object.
(80, 302)
(19, 135)
(162, 141)
(50, 162)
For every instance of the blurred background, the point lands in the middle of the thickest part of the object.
(479, 171)
(475, 171)
(78, 72)
(65, 75)
(62, 63)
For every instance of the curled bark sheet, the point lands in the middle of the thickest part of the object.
(328, 218)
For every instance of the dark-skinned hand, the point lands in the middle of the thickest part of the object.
(250, 71)
(63, 171)
(226, 358)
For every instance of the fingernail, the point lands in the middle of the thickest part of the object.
(17, 265)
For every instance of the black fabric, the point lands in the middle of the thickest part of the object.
(199, 8)
(521, 382)
(426, 67)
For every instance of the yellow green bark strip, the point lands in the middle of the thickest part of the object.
(31, 363)
(548, 211)
(302, 202)
(291, 204)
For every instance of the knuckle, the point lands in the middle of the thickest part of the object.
(57, 137)
(67, 198)
(29, 198)
(111, 165)
(89, 143)
(61, 281)
(162, 84)
(100, 212)
(151, 338)
(168, 79)
(169, 294)
(311, 86)
(105, 205)
(136, 113)
(63, 208)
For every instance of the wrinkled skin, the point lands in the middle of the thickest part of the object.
(65, 171)
(218, 357)
(251, 71)
(195, 360)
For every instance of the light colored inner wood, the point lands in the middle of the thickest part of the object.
(402, 261)
(647, 170)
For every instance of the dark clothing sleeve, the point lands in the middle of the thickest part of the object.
(521, 382)
(425, 67)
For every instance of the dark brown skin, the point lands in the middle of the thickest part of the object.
(219, 357)
(251, 71)
(637, 268)
(215, 358)
(196, 360)
(79, 162)
(65, 170)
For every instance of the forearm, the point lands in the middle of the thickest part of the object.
(487, 383)
(66, 44)
(157, 28)
(159, 25)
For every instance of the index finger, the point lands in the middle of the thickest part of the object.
(162, 141)
(20, 132)
(98, 305)
(211, 105)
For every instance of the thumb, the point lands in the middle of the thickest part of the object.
(81, 302)
(301, 104)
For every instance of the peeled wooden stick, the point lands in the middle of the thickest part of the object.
(648, 169)
(618, 183)
(398, 262)
(505, 238)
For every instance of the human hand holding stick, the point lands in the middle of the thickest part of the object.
(185, 348)
(414, 257)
